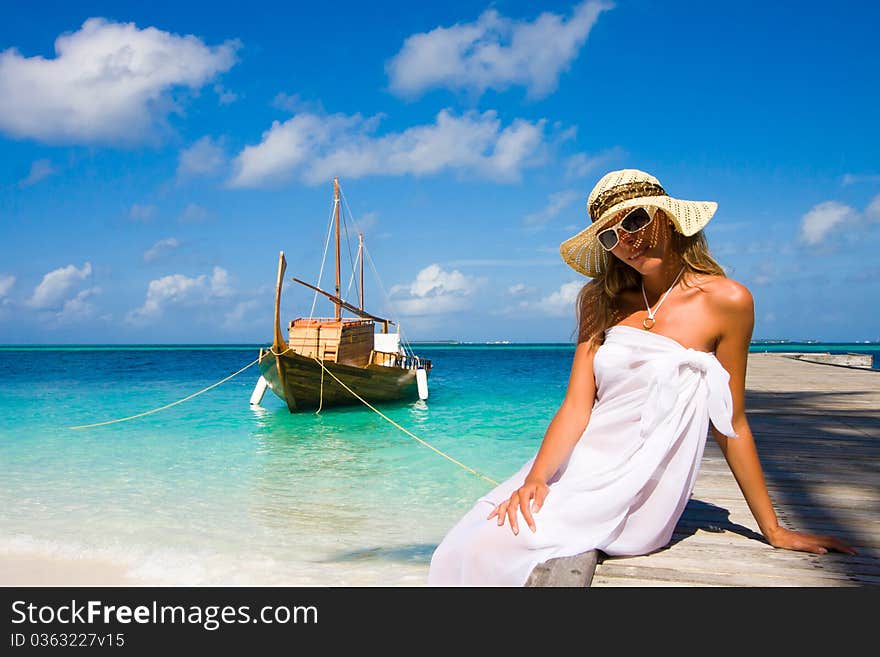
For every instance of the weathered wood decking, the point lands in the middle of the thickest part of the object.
(817, 428)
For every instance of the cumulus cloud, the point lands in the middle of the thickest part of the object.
(219, 283)
(494, 52)
(555, 203)
(108, 83)
(317, 147)
(246, 313)
(181, 290)
(40, 169)
(6, 283)
(193, 213)
(143, 213)
(57, 284)
(79, 307)
(204, 158)
(559, 303)
(161, 248)
(816, 223)
(581, 165)
(520, 290)
(435, 291)
(873, 209)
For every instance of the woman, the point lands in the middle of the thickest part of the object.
(620, 458)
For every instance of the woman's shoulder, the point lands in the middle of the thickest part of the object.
(723, 292)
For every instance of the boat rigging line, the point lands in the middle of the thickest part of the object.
(407, 348)
(323, 258)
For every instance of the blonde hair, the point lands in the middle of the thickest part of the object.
(597, 306)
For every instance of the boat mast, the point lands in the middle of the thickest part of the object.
(336, 207)
(361, 259)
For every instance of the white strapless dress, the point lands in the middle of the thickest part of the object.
(628, 478)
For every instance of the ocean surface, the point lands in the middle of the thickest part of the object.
(214, 492)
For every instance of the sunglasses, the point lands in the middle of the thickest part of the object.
(634, 221)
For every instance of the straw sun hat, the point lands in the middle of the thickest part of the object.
(621, 190)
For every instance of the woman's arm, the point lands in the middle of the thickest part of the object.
(570, 420)
(736, 312)
(562, 435)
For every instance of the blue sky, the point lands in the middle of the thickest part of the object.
(157, 156)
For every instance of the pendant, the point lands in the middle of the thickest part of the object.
(645, 323)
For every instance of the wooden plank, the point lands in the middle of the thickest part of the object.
(817, 428)
(728, 578)
(576, 571)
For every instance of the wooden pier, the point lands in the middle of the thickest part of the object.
(817, 429)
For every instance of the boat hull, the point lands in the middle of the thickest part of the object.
(296, 380)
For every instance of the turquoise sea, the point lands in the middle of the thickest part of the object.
(215, 492)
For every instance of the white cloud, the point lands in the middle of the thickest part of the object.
(181, 290)
(494, 52)
(367, 221)
(317, 147)
(193, 213)
(295, 104)
(520, 290)
(873, 209)
(435, 291)
(55, 286)
(219, 283)
(246, 314)
(160, 248)
(204, 158)
(581, 165)
(224, 95)
(108, 83)
(79, 307)
(555, 203)
(6, 283)
(559, 303)
(822, 218)
(40, 169)
(852, 179)
(142, 213)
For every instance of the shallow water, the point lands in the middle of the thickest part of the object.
(214, 492)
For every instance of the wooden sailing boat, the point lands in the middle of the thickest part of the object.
(308, 367)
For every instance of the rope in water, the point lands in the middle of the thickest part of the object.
(166, 406)
(323, 369)
(406, 431)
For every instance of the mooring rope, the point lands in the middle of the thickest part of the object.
(323, 369)
(406, 431)
(166, 406)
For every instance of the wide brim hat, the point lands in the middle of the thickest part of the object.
(618, 191)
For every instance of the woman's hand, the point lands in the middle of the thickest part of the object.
(815, 543)
(532, 489)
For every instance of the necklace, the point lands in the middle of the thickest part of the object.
(648, 322)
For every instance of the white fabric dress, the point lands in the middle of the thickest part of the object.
(628, 478)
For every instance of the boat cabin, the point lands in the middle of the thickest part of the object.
(348, 341)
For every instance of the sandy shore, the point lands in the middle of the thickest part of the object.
(30, 570)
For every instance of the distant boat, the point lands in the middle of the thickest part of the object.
(374, 365)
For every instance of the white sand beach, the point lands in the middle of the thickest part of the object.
(21, 569)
